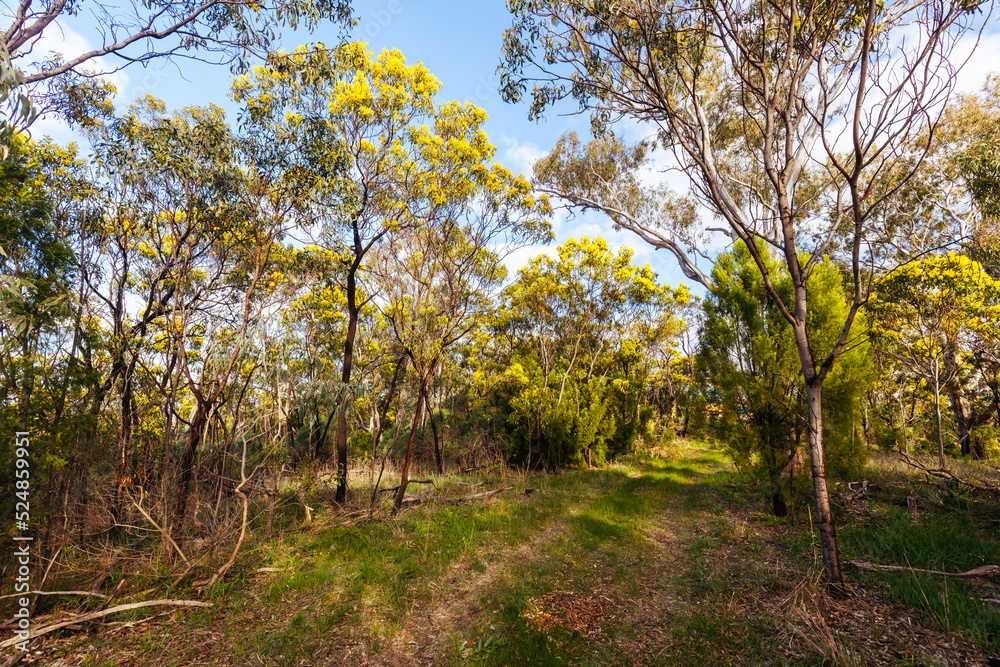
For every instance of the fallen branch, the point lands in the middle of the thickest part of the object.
(121, 625)
(83, 618)
(478, 496)
(984, 571)
(860, 492)
(486, 494)
(948, 476)
(412, 481)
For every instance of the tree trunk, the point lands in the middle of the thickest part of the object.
(124, 441)
(821, 493)
(404, 480)
(437, 446)
(389, 395)
(937, 417)
(960, 408)
(959, 402)
(345, 377)
(902, 420)
(187, 470)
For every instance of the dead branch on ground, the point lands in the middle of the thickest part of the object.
(83, 618)
(948, 476)
(987, 571)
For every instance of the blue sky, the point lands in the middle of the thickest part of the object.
(460, 42)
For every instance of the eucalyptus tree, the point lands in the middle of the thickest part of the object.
(785, 119)
(583, 326)
(381, 157)
(165, 194)
(933, 317)
(438, 279)
(214, 31)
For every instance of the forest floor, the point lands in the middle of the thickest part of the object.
(672, 561)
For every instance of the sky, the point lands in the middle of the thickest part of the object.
(460, 43)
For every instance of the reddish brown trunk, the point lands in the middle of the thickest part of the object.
(187, 471)
(404, 480)
(345, 378)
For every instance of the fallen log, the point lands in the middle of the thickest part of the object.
(83, 618)
(412, 481)
(984, 571)
(483, 495)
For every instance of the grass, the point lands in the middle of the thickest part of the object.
(669, 561)
(944, 532)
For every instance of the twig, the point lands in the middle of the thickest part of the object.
(243, 526)
(164, 533)
(41, 584)
(478, 496)
(83, 618)
(947, 475)
(486, 494)
(115, 556)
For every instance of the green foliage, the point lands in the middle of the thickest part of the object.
(935, 322)
(979, 161)
(586, 330)
(749, 361)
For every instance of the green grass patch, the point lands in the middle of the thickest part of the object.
(946, 541)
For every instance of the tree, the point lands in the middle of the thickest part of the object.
(438, 279)
(381, 159)
(783, 117)
(43, 329)
(748, 352)
(933, 317)
(221, 31)
(582, 328)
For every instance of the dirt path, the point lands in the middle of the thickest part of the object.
(666, 565)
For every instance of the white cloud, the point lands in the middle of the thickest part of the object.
(53, 127)
(521, 158)
(57, 39)
(519, 258)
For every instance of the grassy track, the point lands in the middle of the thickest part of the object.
(658, 562)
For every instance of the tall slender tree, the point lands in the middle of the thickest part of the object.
(784, 117)
(382, 158)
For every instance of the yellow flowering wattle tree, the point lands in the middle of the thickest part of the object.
(932, 317)
(380, 159)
